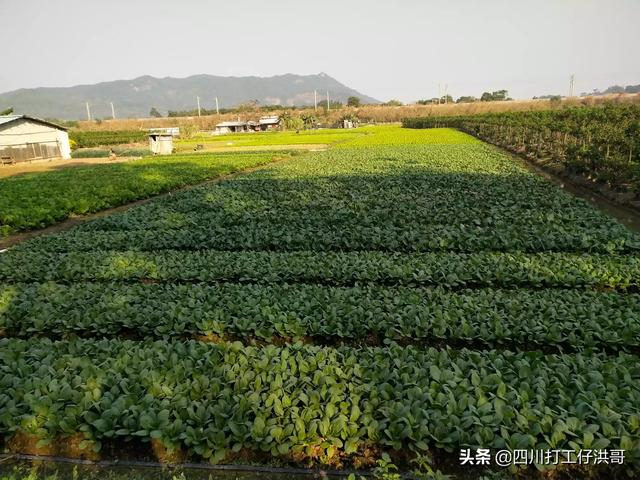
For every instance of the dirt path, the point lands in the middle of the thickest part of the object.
(17, 238)
(47, 165)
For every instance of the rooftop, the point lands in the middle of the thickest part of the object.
(231, 124)
(269, 120)
(4, 119)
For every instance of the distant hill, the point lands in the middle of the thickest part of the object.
(135, 98)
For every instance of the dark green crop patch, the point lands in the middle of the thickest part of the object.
(213, 400)
(410, 290)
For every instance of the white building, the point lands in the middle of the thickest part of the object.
(24, 138)
(161, 144)
(230, 127)
(269, 123)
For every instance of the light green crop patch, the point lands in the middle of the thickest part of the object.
(35, 200)
(304, 137)
(396, 135)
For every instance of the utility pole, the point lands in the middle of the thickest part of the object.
(446, 87)
(439, 92)
(198, 99)
(217, 109)
(88, 112)
(113, 111)
(572, 84)
(315, 100)
(328, 105)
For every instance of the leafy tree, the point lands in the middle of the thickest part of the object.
(309, 120)
(289, 122)
(614, 89)
(155, 113)
(353, 101)
(393, 103)
(427, 101)
(498, 95)
(467, 99)
(8, 111)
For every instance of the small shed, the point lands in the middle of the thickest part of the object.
(24, 138)
(230, 127)
(161, 143)
(173, 131)
(269, 123)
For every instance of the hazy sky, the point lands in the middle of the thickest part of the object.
(387, 49)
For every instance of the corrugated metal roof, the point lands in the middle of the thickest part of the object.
(9, 118)
(231, 124)
(4, 119)
(269, 120)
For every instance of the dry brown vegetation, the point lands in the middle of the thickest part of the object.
(367, 113)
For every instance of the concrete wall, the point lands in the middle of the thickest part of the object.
(63, 141)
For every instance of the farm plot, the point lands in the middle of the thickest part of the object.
(427, 296)
(35, 200)
(265, 139)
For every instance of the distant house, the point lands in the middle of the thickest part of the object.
(269, 123)
(230, 127)
(24, 138)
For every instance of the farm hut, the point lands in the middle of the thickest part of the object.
(173, 131)
(161, 143)
(230, 127)
(24, 138)
(269, 123)
(253, 126)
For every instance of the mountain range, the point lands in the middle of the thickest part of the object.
(135, 98)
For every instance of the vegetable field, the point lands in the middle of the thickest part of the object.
(406, 291)
(88, 139)
(239, 140)
(36, 200)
